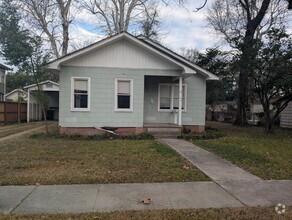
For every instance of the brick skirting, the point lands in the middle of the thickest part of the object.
(194, 128)
(120, 131)
(96, 131)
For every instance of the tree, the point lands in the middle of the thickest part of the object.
(150, 25)
(242, 23)
(32, 59)
(51, 17)
(219, 63)
(116, 16)
(17, 80)
(273, 75)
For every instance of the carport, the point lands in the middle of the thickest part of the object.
(34, 111)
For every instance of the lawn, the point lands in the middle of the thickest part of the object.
(268, 156)
(49, 160)
(260, 213)
(6, 130)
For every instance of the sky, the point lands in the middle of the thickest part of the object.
(181, 27)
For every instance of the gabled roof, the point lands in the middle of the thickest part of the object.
(15, 90)
(187, 66)
(41, 83)
(3, 67)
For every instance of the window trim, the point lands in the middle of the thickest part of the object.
(172, 97)
(73, 109)
(116, 95)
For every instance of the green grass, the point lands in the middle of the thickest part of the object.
(268, 156)
(259, 213)
(51, 160)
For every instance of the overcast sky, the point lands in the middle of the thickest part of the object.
(182, 27)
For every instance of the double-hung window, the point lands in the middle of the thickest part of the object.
(168, 97)
(80, 91)
(124, 95)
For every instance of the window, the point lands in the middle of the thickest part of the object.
(124, 95)
(80, 94)
(165, 96)
(168, 97)
(176, 97)
(2, 80)
(1, 97)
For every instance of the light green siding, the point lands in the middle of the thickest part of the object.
(102, 97)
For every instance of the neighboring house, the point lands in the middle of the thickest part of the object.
(129, 83)
(286, 117)
(34, 111)
(223, 111)
(16, 95)
(3, 70)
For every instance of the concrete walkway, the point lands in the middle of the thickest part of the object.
(213, 166)
(247, 188)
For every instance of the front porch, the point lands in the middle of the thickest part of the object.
(168, 107)
(164, 100)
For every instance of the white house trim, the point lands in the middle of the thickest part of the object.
(73, 109)
(131, 95)
(31, 87)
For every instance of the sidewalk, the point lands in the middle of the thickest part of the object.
(112, 197)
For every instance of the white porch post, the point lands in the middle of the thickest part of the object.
(180, 101)
(27, 107)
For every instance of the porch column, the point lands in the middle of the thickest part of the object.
(180, 101)
(27, 106)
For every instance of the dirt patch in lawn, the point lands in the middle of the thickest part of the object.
(6, 130)
(26, 160)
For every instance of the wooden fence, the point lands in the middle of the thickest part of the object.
(11, 112)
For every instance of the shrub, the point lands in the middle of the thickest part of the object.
(207, 135)
(141, 136)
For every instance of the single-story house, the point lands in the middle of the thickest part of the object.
(130, 84)
(16, 95)
(286, 117)
(3, 70)
(34, 111)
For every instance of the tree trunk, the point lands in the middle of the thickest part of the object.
(269, 122)
(248, 55)
(45, 117)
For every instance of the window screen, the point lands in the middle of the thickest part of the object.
(80, 93)
(165, 96)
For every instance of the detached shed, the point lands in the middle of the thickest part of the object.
(34, 112)
(286, 117)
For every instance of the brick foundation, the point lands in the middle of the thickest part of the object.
(194, 128)
(96, 131)
(127, 131)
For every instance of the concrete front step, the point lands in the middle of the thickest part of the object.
(163, 132)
